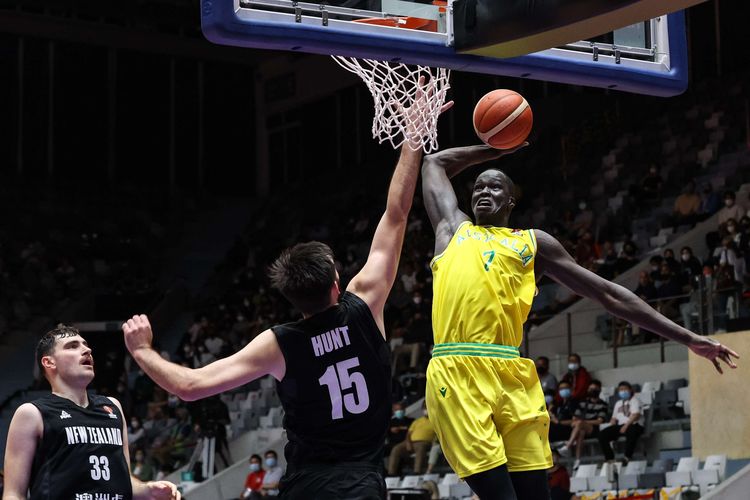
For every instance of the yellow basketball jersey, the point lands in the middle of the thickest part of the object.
(483, 285)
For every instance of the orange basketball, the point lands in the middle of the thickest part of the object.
(503, 119)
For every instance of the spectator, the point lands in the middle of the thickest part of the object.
(135, 431)
(627, 420)
(590, 414)
(645, 289)
(585, 249)
(578, 377)
(214, 344)
(272, 476)
(690, 266)
(710, 201)
(669, 291)
(655, 274)
(561, 413)
(254, 480)
(671, 261)
(398, 427)
(559, 480)
(731, 269)
(733, 231)
(549, 382)
(141, 468)
(651, 184)
(418, 440)
(627, 259)
(731, 209)
(687, 205)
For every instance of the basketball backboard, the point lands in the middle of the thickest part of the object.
(649, 57)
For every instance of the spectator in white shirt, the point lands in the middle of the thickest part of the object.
(731, 210)
(270, 487)
(549, 382)
(627, 420)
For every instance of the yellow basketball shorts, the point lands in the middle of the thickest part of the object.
(487, 407)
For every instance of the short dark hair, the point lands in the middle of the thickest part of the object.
(543, 358)
(730, 194)
(626, 384)
(304, 275)
(575, 355)
(46, 344)
(595, 382)
(272, 452)
(256, 457)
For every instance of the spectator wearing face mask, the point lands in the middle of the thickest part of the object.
(561, 412)
(141, 468)
(577, 377)
(398, 427)
(671, 261)
(627, 258)
(272, 477)
(418, 440)
(590, 414)
(731, 209)
(690, 266)
(549, 382)
(627, 420)
(135, 431)
(254, 480)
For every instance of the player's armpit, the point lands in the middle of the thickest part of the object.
(25, 430)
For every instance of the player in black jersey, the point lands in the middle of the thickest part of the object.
(72, 444)
(332, 366)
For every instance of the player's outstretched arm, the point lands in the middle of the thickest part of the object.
(25, 430)
(439, 197)
(262, 356)
(554, 261)
(373, 283)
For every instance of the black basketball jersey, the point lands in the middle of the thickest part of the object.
(81, 455)
(336, 392)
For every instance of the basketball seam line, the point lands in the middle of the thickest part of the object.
(485, 136)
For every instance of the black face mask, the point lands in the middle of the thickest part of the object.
(541, 370)
(593, 394)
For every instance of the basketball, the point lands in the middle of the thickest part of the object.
(503, 119)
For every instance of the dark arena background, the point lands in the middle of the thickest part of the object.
(144, 169)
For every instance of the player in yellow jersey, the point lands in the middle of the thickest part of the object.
(485, 401)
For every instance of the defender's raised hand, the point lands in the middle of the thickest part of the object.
(138, 334)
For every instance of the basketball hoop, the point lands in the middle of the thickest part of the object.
(403, 112)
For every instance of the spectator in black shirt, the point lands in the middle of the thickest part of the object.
(646, 289)
(561, 414)
(671, 287)
(669, 259)
(651, 184)
(690, 266)
(590, 414)
(398, 427)
(655, 273)
(628, 258)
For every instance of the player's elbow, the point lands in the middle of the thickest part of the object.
(188, 388)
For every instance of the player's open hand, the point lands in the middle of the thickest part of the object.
(714, 352)
(138, 334)
(162, 490)
(419, 112)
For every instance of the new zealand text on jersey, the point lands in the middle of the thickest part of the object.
(330, 340)
(93, 435)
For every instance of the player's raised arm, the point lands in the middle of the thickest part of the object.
(24, 433)
(439, 197)
(554, 261)
(373, 283)
(260, 357)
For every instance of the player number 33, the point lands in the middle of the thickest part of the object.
(99, 468)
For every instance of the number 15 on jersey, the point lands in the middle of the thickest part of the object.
(339, 378)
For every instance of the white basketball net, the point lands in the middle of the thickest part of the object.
(402, 114)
